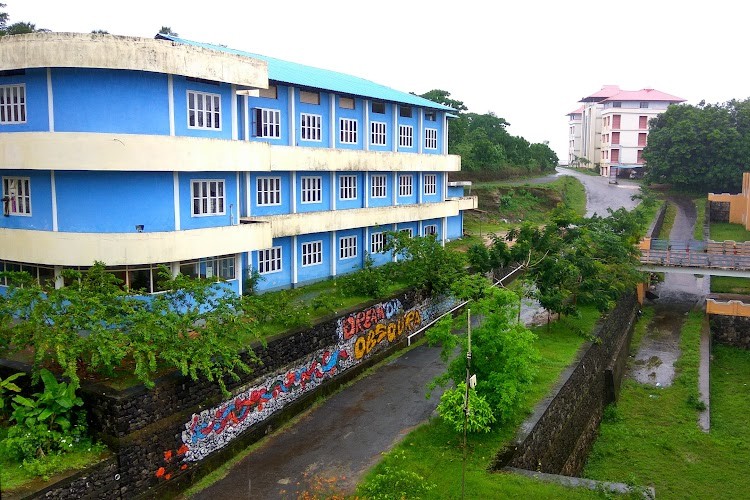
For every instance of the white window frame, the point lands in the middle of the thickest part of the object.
(209, 116)
(312, 253)
(377, 242)
(408, 230)
(347, 187)
(268, 191)
(13, 104)
(378, 133)
(270, 260)
(378, 186)
(19, 197)
(267, 123)
(348, 247)
(430, 184)
(311, 127)
(405, 185)
(208, 205)
(406, 136)
(429, 229)
(348, 130)
(430, 138)
(311, 189)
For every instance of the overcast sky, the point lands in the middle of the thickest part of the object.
(529, 61)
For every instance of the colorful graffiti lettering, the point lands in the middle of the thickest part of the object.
(390, 331)
(351, 325)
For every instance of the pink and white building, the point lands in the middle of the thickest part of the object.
(574, 136)
(614, 126)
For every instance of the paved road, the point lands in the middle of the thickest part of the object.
(600, 194)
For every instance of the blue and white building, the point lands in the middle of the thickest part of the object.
(140, 152)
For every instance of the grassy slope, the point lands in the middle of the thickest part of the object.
(657, 442)
(723, 231)
(669, 217)
(729, 284)
(434, 452)
(700, 210)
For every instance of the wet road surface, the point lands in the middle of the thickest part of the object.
(601, 195)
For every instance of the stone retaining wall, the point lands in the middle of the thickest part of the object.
(719, 211)
(657, 223)
(730, 330)
(558, 436)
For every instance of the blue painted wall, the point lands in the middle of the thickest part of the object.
(187, 220)
(286, 195)
(114, 202)
(439, 226)
(455, 227)
(323, 110)
(356, 203)
(41, 201)
(280, 279)
(438, 196)
(344, 266)
(37, 119)
(325, 202)
(381, 202)
(316, 271)
(181, 86)
(98, 100)
(282, 104)
(413, 198)
(455, 191)
(358, 114)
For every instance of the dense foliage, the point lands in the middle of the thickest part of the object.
(484, 143)
(18, 28)
(703, 148)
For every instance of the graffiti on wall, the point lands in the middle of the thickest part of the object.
(360, 335)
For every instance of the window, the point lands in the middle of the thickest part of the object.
(616, 121)
(348, 187)
(615, 137)
(378, 107)
(12, 104)
(617, 104)
(377, 242)
(311, 129)
(309, 97)
(643, 122)
(377, 183)
(430, 184)
(268, 191)
(642, 139)
(217, 267)
(347, 247)
(270, 93)
(267, 123)
(16, 196)
(377, 130)
(615, 154)
(312, 191)
(208, 197)
(408, 231)
(405, 185)
(639, 159)
(430, 138)
(644, 105)
(430, 116)
(348, 131)
(406, 136)
(204, 110)
(312, 253)
(404, 111)
(269, 260)
(346, 103)
(430, 229)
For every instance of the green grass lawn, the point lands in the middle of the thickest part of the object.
(652, 437)
(723, 231)
(700, 210)
(434, 452)
(730, 284)
(669, 217)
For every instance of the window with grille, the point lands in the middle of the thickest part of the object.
(12, 104)
(268, 191)
(430, 184)
(348, 131)
(430, 138)
(269, 260)
(312, 189)
(405, 185)
(347, 247)
(213, 267)
(204, 110)
(267, 123)
(208, 197)
(430, 229)
(312, 253)
(17, 196)
(311, 129)
(377, 186)
(377, 242)
(405, 136)
(348, 187)
(377, 133)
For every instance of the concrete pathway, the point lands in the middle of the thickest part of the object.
(601, 195)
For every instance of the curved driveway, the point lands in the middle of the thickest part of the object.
(601, 195)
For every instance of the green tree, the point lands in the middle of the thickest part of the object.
(166, 30)
(443, 97)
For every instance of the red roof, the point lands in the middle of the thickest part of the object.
(576, 112)
(644, 95)
(606, 91)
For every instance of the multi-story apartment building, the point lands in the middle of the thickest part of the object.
(140, 152)
(615, 127)
(575, 121)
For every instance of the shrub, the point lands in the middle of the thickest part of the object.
(451, 409)
(395, 483)
(369, 281)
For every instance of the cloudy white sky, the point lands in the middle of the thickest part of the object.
(529, 61)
